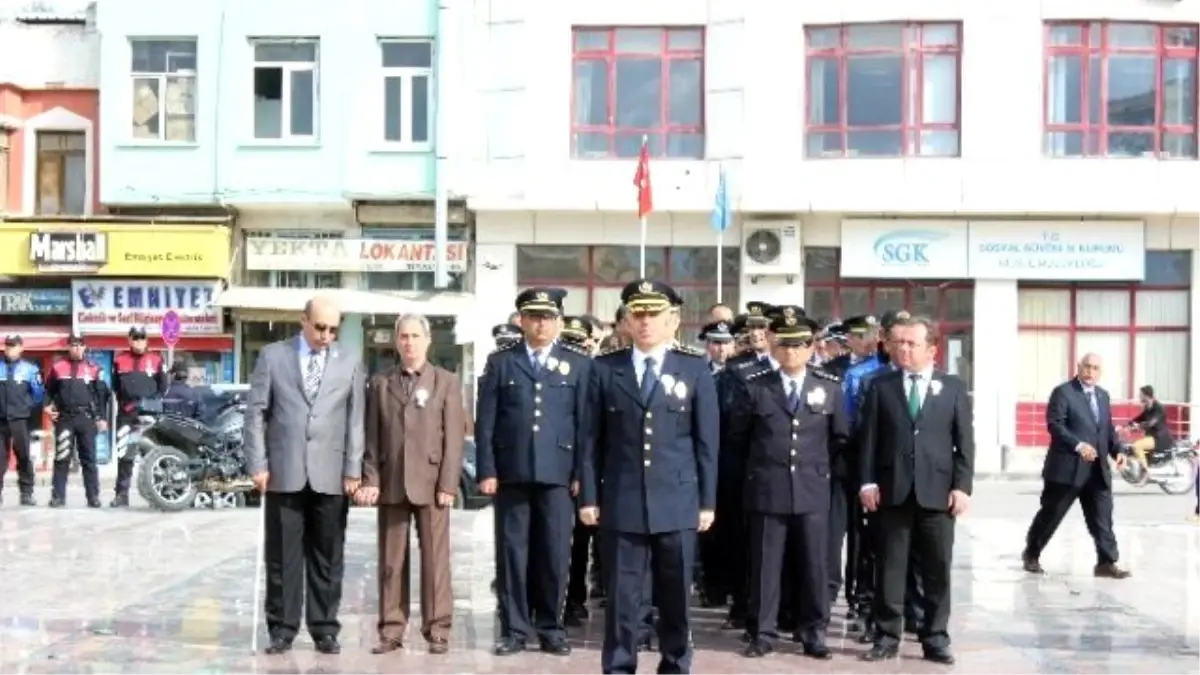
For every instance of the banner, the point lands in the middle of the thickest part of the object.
(904, 249)
(108, 249)
(111, 307)
(1058, 251)
(35, 301)
(350, 255)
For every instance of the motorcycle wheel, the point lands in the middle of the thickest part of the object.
(1183, 479)
(164, 480)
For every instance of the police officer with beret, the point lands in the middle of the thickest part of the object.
(530, 428)
(792, 423)
(78, 405)
(650, 480)
(21, 394)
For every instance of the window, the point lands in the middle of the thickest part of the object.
(635, 82)
(164, 89)
(407, 75)
(294, 278)
(4, 155)
(285, 90)
(595, 275)
(61, 173)
(1120, 90)
(883, 90)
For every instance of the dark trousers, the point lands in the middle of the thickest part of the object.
(535, 523)
(583, 539)
(304, 549)
(865, 564)
(1096, 501)
(905, 529)
(668, 557)
(16, 432)
(730, 558)
(75, 431)
(914, 591)
(770, 538)
(125, 424)
(843, 528)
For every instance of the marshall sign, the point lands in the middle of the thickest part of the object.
(68, 251)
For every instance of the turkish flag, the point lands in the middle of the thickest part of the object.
(642, 180)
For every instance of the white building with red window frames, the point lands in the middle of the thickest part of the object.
(1024, 173)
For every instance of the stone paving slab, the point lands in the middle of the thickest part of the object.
(136, 591)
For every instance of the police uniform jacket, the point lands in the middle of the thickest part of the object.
(140, 379)
(731, 388)
(788, 455)
(654, 466)
(531, 424)
(838, 365)
(21, 389)
(77, 387)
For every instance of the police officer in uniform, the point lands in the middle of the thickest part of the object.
(21, 394)
(530, 427)
(793, 422)
(141, 382)
(506, 334)
(578, 331)
(717, 337)
(182, 399)
(78, 405)
(650, 479)
(712, 577)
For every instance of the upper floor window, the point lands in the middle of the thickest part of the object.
(61, 180)
(1120, 90)
(883, 90)
(285, 90)
(164, 89)
(635, 82)
(407, 71)
(4, 158)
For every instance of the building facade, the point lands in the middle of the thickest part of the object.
(1024, 173)
(318, 127)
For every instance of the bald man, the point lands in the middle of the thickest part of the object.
(304, 451)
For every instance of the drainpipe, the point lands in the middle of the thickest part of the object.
(441, 187)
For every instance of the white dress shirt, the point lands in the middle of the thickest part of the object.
(539, 355)
(788, 380)
(659, 354)
(306, 352)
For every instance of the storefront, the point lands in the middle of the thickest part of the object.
(375, 277)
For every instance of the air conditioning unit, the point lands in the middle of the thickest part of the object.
(770, 248)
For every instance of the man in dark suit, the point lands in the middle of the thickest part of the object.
(1079, 418)
(530, 426)
(917, 459)
(650, 480)
(792, 423)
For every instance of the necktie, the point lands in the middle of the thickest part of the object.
(649, 379)
(794, 397)
(537, 361)
(914, 396)
(1094, 405)
(312, 375)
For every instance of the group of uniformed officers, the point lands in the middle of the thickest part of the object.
(76, 398)
(732, 469)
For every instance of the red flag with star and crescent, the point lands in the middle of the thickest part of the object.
(642, 180)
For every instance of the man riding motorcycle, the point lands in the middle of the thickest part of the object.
(1152, 421)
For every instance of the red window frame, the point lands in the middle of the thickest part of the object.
(610, 55)
(1095, 143)
(688, 330)
(913, 53)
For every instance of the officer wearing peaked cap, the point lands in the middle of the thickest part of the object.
(717, 337)
(531, 425)
(651, 478)
(793, 420)
(506, 334)
(578, 331)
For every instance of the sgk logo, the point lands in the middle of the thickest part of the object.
(909, 248)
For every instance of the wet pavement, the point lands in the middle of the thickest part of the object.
(138, 591)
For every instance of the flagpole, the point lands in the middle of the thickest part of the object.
(720, 264)
(642, 247)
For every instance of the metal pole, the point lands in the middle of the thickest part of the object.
(720, 264)
(642, 250)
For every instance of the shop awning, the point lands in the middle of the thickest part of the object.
(352, 301)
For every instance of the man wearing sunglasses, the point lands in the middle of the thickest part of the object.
(304, 441)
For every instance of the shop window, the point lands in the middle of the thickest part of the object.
(1140, 330)
(595, 275)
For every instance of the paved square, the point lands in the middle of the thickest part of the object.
(139, 591)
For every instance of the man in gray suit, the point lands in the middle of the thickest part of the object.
(304, 450)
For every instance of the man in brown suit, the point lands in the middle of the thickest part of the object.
(411, 467)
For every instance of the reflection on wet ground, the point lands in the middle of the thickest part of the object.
(102, 592)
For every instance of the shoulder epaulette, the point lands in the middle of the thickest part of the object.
(759, 373)
(614, 350)
(504, 348)
(825, 375)
(741, 365)
(687, 349)
(574, 348)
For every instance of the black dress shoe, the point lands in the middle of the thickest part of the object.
(508, 646)
(119, 502)
(387, 647)
(94, 502)
(1110, 571)
(327, 644)
(881, 652)
(57, 502)
(28, 500)
(818, 650)
(939, 655)
(279, 645)
(1030, 564)
(556, 647)
(868, 635)
(757, 648)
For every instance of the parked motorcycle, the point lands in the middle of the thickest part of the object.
(190, 463)
(1172, 469)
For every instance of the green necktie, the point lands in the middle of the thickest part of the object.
(914, 397)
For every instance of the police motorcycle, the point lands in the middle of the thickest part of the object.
(1172, 469)
(188, 463)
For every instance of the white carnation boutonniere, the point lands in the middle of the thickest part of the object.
(935, 387)
(815, 398)
(422, 397)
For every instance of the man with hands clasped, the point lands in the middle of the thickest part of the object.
(650, 479)
(415, 430)
(917, 463)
